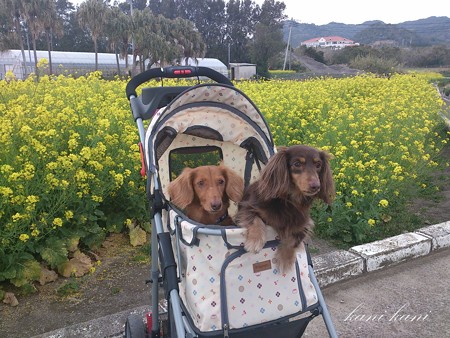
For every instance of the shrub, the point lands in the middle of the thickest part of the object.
(69, 159)
(384, 133)
(69, 169)
(374, 64)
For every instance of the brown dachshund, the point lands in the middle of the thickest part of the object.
(282, 197)
(205, 193)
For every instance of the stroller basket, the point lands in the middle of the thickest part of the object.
(213, 287)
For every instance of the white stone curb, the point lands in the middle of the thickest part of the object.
(393, 250)
(336, 266)
(439, 234)
(340, 265)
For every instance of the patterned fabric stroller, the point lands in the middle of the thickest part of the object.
(213, 287)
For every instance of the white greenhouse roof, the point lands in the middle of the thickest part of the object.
(61, 57)
(204, 62)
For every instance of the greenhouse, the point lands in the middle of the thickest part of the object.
(63, 62)
(80, 63)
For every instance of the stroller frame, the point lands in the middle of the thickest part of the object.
(164, 269)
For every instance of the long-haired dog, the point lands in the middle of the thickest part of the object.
(205, 193)
(282, 197)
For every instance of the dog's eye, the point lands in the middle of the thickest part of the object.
(297, 164)
(318, 164)
(221, 182)
(201, 183)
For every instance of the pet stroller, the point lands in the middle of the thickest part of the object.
(212, 286)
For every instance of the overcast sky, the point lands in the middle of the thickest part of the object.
(321, 12)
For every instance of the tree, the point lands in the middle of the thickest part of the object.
(268, 38)
(117, 32)
(272, 14)
(161, 40)
(240, 27)
(186, 39)
(147, 42)
(166, 8)
(92, 16)
(33, 12)
(213, 29)
(7, 26)
(52, 25)
(267, 43)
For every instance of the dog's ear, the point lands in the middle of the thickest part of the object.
(181, 190)
(275, 178)
(234, 184)
(327, 190)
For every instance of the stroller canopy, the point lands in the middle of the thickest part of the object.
(210, 115)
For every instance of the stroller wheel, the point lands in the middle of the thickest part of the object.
(134, 327)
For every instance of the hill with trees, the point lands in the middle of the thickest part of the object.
(424, 32)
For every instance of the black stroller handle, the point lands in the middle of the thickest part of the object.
(174, 72)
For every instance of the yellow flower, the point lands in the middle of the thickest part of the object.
(97, 198)
(68, 214)
(6, 191)
(384, 203)
(349, 204)
(17, 217)
(371, 222)
(32, 199)
(118, 178)
(86, 153)
(24, 237)
(58, 222)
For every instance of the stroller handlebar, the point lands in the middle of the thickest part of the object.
(174, 72)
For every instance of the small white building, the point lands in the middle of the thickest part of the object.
(62, 62)
(214, 64)
(242, 71)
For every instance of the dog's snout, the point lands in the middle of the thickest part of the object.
(314, 186)
(216, 205)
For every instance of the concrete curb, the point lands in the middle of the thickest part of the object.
(329, 268)
(337, 266)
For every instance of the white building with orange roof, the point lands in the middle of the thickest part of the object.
(334, 42)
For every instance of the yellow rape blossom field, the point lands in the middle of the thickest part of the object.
(70, 165)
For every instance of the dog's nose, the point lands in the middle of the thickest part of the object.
(314, 186)
(215, 206)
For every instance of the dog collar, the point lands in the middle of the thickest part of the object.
(222, 218)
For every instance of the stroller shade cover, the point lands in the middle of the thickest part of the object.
(209, 115)
(223, 284)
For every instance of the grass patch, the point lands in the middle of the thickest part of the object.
(69, 288)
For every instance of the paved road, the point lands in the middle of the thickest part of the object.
(411, 299)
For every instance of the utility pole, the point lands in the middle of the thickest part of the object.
(131, 13)
(132, 41)
(287, 46)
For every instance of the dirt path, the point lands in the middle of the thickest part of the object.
(117, 284)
